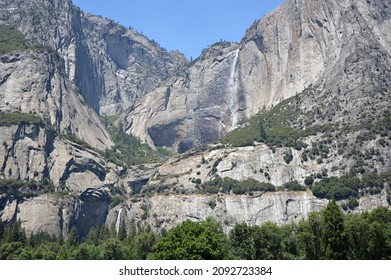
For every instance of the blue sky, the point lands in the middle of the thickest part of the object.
(185, 25)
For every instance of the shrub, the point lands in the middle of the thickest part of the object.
(212, 204)
(116, 200)
(16, 118)
(128, 149)
(11, 40)
(308, 181)
(352, 203)
(294, 186)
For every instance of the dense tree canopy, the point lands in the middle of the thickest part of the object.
(192, 241)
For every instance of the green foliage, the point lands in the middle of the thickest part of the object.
(1, 229)
(25, 189)
(98, 245)
(265, 242)
(111, 250)
(334, 233)
(128, 150)
(228, 185)
(192, 241)
(288, 157)
(11, 39)
(352, 203)
(73, 138)
(142, 244)
(15, 233)
(212, 204)
(116, 200)
(121, 235)
(310, 237)
(276, 127)
(369, 235)
(245, 136)
(242, 238)
(294, 186)
(16, 118)
(73, 238)
(308, 181)
(349, 186)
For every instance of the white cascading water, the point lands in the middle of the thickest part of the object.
(220, 125)
(118, 221)
(233, 91)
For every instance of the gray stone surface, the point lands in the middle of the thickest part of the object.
(280, 207)
(342, 48)
(111, 65)
(35, 84)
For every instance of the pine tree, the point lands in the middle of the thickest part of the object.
(334, 236)
(104, 233)
(73, 238)
(311, 236)
(242, 239)
(2, 230)
(15, 233)
(92, 237)
(262, 131)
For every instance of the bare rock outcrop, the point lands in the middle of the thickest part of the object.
(36, 85)
(111, 65)
(334, 56)
(164, 212)
(340, 47)
(34, 152)
(57, 215)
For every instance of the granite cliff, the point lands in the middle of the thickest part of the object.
(342, 48)
(310, 81)
(111, 65)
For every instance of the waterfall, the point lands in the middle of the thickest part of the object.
(233, 91)
(220, 125)
(118, 222)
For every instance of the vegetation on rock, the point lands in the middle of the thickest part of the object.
(11, 39)
(24, 189)
(16, 118)
(128, 150)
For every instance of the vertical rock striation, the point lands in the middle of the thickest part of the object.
(111, 65)
(340, 47)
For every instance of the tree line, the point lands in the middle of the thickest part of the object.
(325, 235)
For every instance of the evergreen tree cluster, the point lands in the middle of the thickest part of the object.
(325, 235)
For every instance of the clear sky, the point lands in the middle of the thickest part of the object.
(185, 25)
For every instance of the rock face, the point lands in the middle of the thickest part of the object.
(340, 47)
(164, 212)
(167, 211)
(33, 152)
(80, 178)
(199, 105)
(85, 65)
(55, 215)
(111, 65)
(332, 58)
(34, 83)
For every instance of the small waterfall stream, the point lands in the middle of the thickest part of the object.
(118, 221)
(233, 91)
